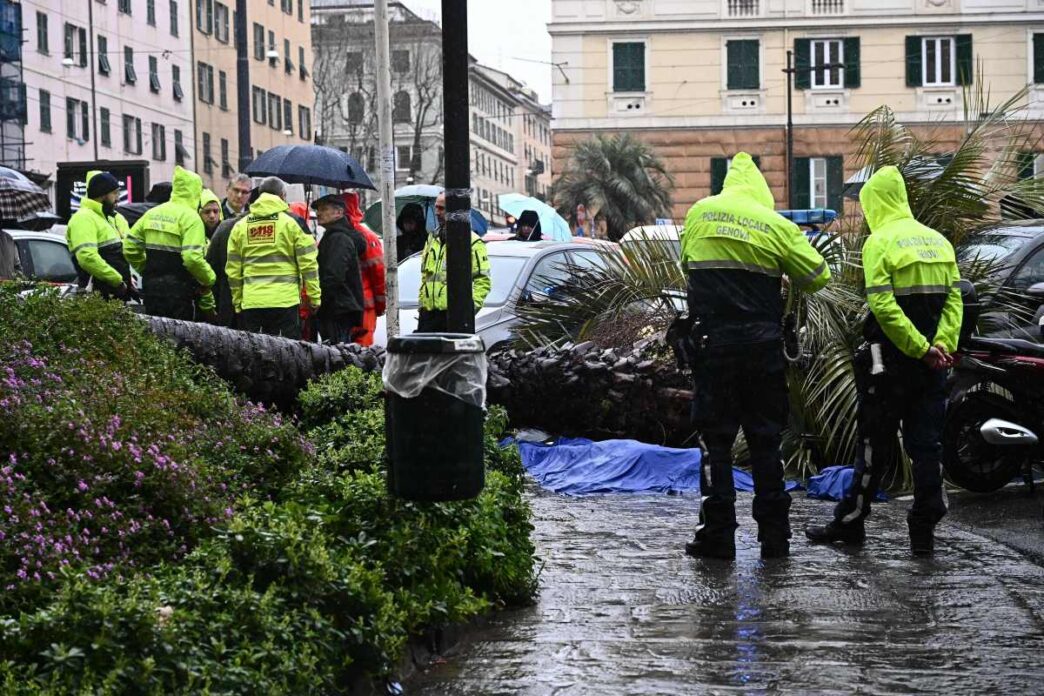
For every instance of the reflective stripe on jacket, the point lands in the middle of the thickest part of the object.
(270, 258)
(95, 245)
(433, 273)
(910, 270)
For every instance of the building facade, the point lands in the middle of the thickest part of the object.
(700, 80)
(510, 129)
(281, 102)
(109, 81)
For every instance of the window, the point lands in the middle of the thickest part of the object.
(42, 45)
(223, 90)
(175, 78)
(720, 168)
(403, 157)
(938, 61)
(76, 120)
(1030, 165)
(105, 126)
(301, 69)
(259, 41)
(810, 55)
(205, 16)
(221, 22)
(45, 111)
(817, 183)
(356, 108)
(287, 6)
(304, 118)
(629, 67)
(550, 273)
(401, 111)
(131, 135)
(150, 12)
(129, 76)
(75, 48)
(272, 47)
(205, 82)
(300, 10)
(1038, 57)
(173, 17)
(226, 164)
(288, 64)
(743, 64)
(353, 62)
(104, 67)
(400, 61)
(154, 81)
(259, 104)
(274, 111)
(208, 161)
(51, 261)
(180, 153)
(125, 6)
(829, 52)
(159, 142)
(288, 116)
(1030, 273)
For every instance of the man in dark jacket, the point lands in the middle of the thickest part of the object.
(217, 257)
(340, 278)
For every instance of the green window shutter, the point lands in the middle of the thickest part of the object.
(1038, 59)
(800, 189)
(757, 161)
(835, 183)
(965, 60)
(853, 75)
(743, 69)
(914, 77)
(1025, 165)
(719, 168)
(802, 63)
(629, 67)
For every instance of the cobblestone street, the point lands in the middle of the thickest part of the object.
(623, 610)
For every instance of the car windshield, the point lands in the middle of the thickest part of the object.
(992, 247)
(504, 269)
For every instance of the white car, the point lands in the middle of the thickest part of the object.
(521, 272)
(44, 255)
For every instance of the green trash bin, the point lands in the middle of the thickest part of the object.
(434, 408)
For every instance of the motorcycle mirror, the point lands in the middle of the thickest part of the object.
(1036, 290)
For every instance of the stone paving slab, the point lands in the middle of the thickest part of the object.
(623, 610)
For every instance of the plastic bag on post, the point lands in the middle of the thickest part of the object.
(462, 375)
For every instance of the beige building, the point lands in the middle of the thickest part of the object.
(703, 79)
(279, 47)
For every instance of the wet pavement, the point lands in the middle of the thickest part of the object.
(622, 610)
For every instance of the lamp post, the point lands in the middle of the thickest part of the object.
(790, 71)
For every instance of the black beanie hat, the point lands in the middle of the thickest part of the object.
(101, 184)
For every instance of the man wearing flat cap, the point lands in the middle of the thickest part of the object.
(95, 241)
(339, 274)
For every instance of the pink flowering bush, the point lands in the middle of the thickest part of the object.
(116, 452)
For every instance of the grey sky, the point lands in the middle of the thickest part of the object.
(500, 32)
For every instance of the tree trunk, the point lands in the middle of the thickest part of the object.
(266, 369)
(582, 390)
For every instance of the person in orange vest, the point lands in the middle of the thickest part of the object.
(371, 265)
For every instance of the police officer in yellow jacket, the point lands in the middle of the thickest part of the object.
(735, 249)
(433, 299)
(270, 258)
(95, 241)
(166, 247)
(916, 312)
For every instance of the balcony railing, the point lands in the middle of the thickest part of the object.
(828, 7)
(744, 8)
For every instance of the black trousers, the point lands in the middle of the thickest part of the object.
(171, 306)
(908, 395)
(338, 328)
(742, 386)
(432, 321)
(275, 321)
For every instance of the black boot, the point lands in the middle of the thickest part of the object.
(852, 534)
(775, 547)
(703, 546)
(922, 539)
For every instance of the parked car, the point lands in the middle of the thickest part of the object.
(44, 255)
(1015, 252)
(521, 272)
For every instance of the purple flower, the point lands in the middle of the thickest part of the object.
(82, 485)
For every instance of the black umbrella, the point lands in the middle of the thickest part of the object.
(311, 164)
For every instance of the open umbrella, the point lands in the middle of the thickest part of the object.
(552, 225)
(424, 196)
(311, 164)
(422, 190)
(21, 199)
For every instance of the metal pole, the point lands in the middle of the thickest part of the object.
(456, 124)
(94, 96)
(387, 159)
(790, 126)
(242, 85)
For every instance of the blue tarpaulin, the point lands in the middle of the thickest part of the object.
(832, 482)
(577, 466)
